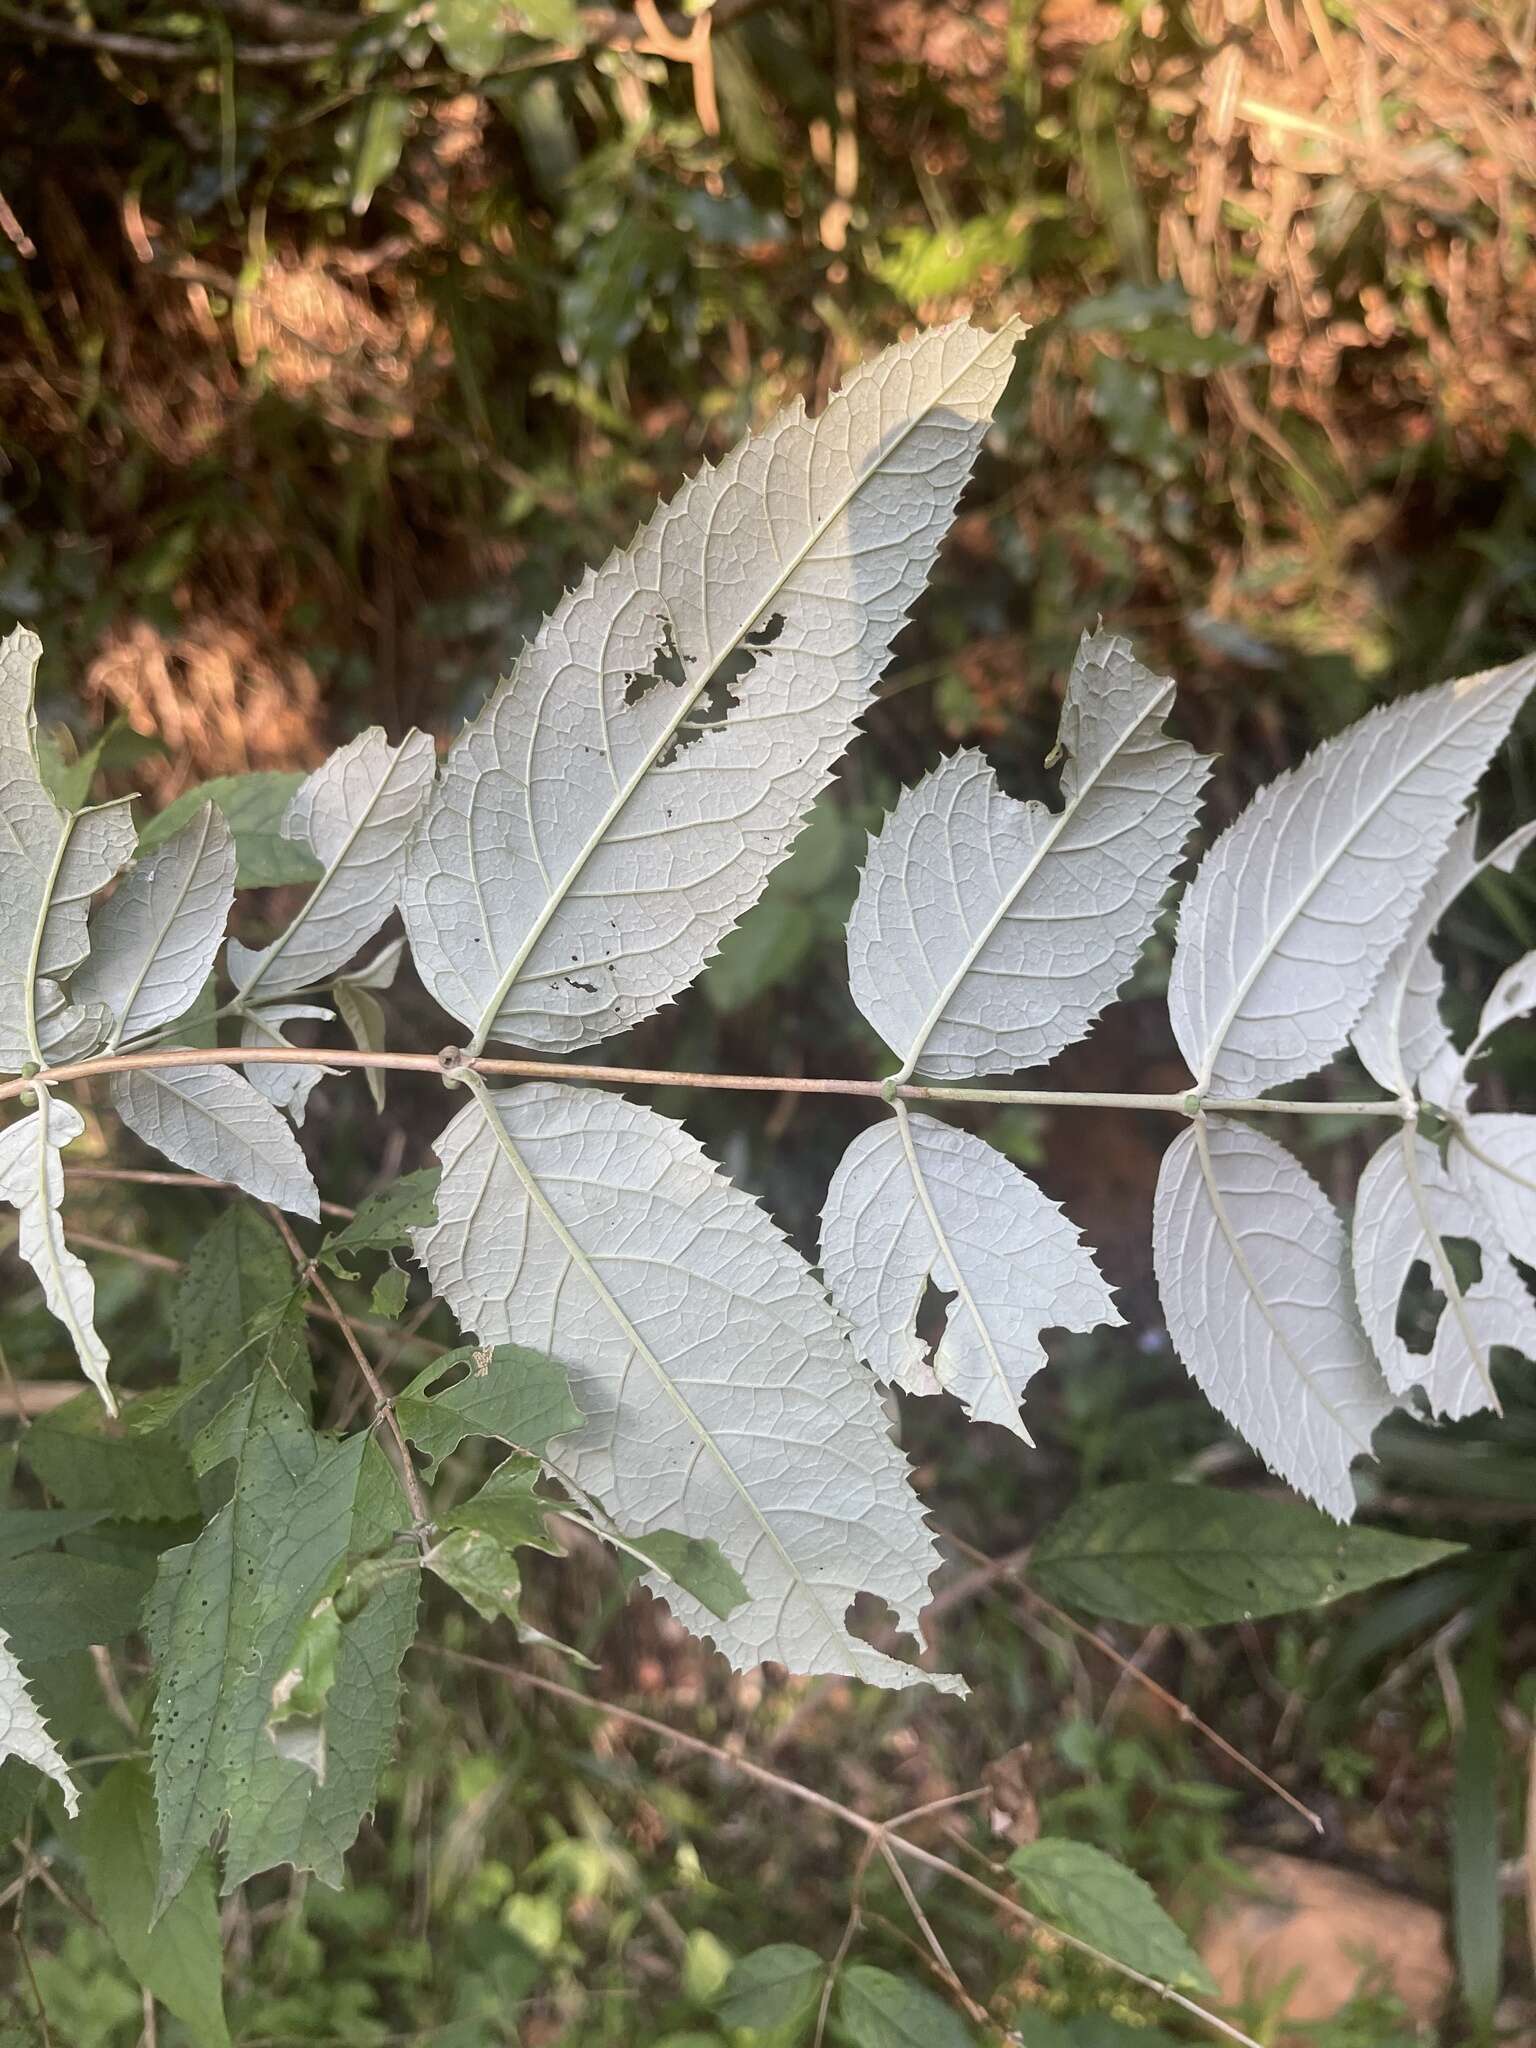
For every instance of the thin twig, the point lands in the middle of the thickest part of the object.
(879, 1832)
(149, 1178)
(384, 1407)
(947, 1970)
(984, 1580)
(451, 1065)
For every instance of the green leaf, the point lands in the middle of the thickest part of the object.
(23, 1530)
(51, 1604)
(557, 21)
(481, 1571)
(380, 132)
(384, 1222)
(389, 1292)
(223, 1620)
(88, 1461)
(296, 1724)
(368, 1028)
(238, 1280)
(766, 948)
(293, 1817)
(470, 33)
(253, 806)
(877, 2010)
(1084, 1892)
(1475, 1832)
(20, 1783)
(212, 1416)
(510, 1508)
(1197, 1556)
(179, 1959)
(519, 1396)
(777, 1986)
(698, 1565)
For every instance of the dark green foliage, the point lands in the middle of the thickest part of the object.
(1196, 1557)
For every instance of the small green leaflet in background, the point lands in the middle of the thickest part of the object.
(389, 1292)
(378, 136)
(877, 2010)
(23, 1530)
(481, 1571)
(469, 33)
(1084, 1892)
(556, 21)
(69, 782)
(774, 1987)
(253, 806)
(179, 1959)
(696, 1564)
(51, 1603)
(503, 1391)
(510, 1508)
(383, 1223)
(1197, 1556)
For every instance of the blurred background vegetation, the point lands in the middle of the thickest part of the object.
(333, 344)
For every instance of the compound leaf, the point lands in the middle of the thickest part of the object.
(623, 797)
(1301, 902)
(721, 1397)
(1253, 1268)
(914, 1201)
(988, 934)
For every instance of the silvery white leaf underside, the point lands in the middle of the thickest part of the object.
(1300, 904)
(1253, 1269)
(356, 814)
(1406, 1207)
(934, 1203)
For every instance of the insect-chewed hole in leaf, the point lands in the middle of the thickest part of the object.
(873, 1621)
(720, 695)
(933, 1319)
(451, 1378)
(1422, 1304)
(667, 667)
